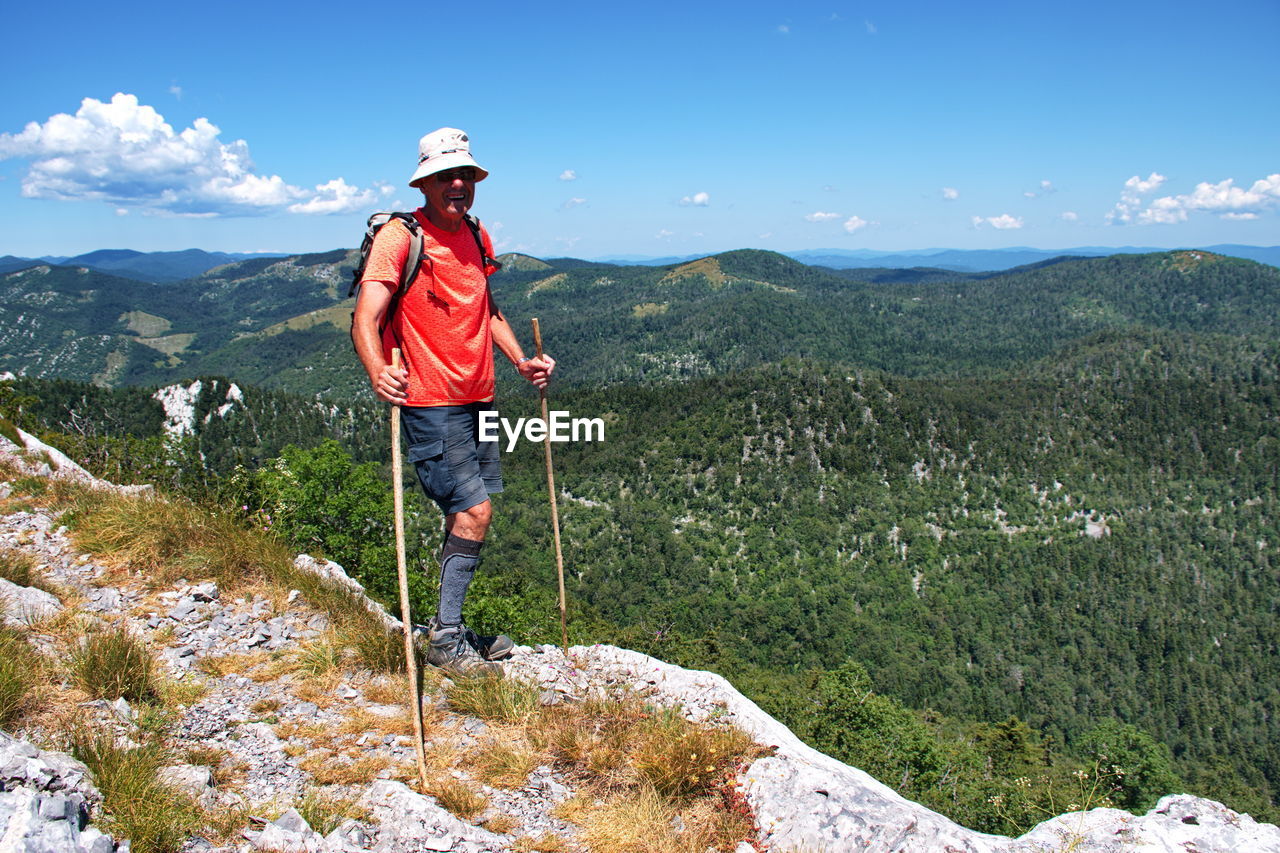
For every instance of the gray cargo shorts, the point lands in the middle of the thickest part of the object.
(456, 469)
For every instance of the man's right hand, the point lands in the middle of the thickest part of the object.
(391, 384)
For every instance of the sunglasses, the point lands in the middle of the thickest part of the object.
(465, 173)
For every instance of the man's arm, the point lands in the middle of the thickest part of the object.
(536, 370)
(371, 306)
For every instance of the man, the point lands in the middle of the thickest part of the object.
(446, 325)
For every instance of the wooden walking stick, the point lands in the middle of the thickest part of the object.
(410, 659)
(555, 513)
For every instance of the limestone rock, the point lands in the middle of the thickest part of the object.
(24, 604)
(412, 823)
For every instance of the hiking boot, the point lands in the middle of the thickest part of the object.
(494, 648)
(490, 648)
(448, 648)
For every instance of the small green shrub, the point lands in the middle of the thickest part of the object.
(112, 663)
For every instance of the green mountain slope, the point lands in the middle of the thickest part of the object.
(283, 323)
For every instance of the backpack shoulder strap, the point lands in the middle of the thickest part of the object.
(485, 260)
(410, 269)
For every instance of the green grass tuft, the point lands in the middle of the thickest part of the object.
(154, 817)
(492, 697)
(112, 663)
(18, 679)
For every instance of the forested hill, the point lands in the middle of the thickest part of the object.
(1093, 537)
(283, 323)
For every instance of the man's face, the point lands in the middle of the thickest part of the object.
(448, 196)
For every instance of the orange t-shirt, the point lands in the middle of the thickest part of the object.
(442, 323)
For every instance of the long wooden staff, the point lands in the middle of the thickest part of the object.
(410, 659)
(555, 513)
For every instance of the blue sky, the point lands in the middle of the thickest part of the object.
(649, 129)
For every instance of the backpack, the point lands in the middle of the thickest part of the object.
(417, 251)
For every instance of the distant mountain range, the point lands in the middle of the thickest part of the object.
(166, 267)
(965, 260)
(160, 267)
(283, 322)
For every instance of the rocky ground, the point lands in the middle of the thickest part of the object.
(258, 735)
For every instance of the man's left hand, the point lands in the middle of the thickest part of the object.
(538, 370)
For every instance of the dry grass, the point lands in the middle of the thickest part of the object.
(503, 764)
(544, 843)
(322, 658)
(318, 691)
(500, 823)
(324, 810)
(459, 798)
(204, 756)
(219, 666)
(494, 698)
(18, 567)
(265, 706)
(359, 720)
(166, 540)
(387, 690)
(682, 760)
(223, 826)
(329, 769)
(640, 823)
(306, 730)
(640, 767)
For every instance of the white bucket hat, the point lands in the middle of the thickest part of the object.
(444, 149)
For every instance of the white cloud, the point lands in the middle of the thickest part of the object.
(784, 29)
(664, 234)
(820, 216)
(176, 91)
(568, 175)
(1030, 194)
(1047, 187)
(335, 196)
(1003, 222)
(124, 153)
(1131, 196)
(122, 211)
(855, 223)
(1070, 216)
(950, 193)
(1223, 198)
(572, 203)
(696, 200)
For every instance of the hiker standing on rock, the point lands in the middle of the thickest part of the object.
(446, 323)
